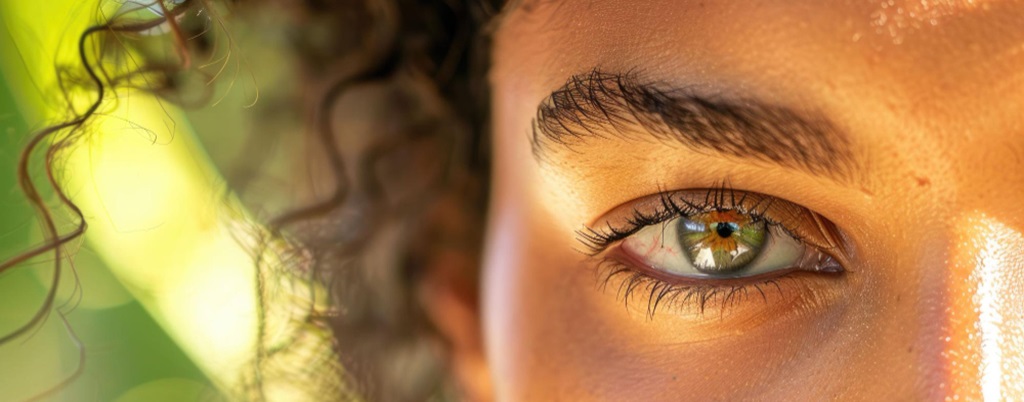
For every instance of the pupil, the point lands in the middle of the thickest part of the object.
(725, 229)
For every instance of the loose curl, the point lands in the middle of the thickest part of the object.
(412, 188)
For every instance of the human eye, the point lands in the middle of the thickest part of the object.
(711, 245)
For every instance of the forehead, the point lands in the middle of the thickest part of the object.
(921, 86)
(952, 42)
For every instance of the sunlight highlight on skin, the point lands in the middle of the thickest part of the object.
(990, 320)
(988, 313)
(898, 18)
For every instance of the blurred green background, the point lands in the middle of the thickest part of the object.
(128, 357)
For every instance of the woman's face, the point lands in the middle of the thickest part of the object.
(757, 200)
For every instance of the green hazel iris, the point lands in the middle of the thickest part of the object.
(720, 242)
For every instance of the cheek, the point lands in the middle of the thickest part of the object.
(531, 308)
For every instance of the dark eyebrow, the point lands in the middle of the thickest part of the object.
(600, 105)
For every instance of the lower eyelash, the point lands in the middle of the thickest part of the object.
(660, 293)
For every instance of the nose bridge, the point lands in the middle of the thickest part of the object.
(983, 350)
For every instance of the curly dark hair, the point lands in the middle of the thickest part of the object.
(406, 190)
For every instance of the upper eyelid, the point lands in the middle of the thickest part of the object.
(597, 238)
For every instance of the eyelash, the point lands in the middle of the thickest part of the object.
(661, 292)
(598, 240)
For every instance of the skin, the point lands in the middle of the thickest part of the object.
(932, 300)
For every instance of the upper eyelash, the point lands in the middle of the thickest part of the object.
(596, 240)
